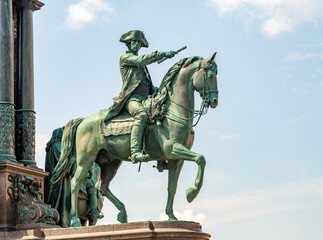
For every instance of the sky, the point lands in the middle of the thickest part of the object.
(263, 143)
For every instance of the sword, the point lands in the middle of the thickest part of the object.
(179, 50)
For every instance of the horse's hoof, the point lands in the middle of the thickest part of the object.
(122, 218)
(190, 194)
(172, 219)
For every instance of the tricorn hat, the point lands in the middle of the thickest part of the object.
(136, 35)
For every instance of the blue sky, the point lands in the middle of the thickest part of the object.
(263, 143)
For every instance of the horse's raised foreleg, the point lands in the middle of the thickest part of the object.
(181, 152)
(174, 169)
(108, 171)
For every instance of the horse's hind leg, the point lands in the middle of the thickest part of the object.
(85, 161)
(108, 171)
(174, 169)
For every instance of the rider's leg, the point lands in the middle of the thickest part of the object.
(136, 109)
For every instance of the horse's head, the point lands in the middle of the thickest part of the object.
(205, 82)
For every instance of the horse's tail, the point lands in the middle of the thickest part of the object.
(67, 148)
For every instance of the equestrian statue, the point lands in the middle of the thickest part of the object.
(144, 123)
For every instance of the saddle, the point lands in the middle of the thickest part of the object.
(122, 124)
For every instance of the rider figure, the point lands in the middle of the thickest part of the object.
(137, 85)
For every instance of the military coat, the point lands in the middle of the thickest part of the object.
(133, 70)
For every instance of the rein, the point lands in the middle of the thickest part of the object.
(197, 113)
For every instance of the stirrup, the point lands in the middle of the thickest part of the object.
(139, 157)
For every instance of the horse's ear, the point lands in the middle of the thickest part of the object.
(209, 60)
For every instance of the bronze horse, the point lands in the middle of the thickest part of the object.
(169, 140)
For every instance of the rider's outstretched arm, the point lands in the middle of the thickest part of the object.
(130, 59)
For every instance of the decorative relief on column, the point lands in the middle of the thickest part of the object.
(25, 136)
(7, 132)
(26, 196)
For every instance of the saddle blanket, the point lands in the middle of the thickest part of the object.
(117, 126)
(122, 123)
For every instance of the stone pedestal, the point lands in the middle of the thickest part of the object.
(21, 198)
(135, 231)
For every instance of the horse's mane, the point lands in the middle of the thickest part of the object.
(174, 70)
(165, 87)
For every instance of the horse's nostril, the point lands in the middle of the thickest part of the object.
(215, 101)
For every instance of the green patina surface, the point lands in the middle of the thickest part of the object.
(163, 131)
(90, 199)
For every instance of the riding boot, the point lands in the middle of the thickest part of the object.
(93, 217)
(135, 145)
(92, 198)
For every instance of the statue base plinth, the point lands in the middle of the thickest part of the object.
(135, 231)
(21, 199)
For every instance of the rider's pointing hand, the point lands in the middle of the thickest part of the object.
(170, 54)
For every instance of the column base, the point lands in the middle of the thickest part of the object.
(28, 162)
(7, 158)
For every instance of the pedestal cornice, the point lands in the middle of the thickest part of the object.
(176, 230)
(23, 170)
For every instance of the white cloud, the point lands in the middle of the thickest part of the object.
(252, 213)
(319, 191)
(86, 12)
(300, 56)
(255, 203)
(276, 16)
(187, 215)
(230, 207)
(225, 136)
(297, 119)
(300, 90)
(276, 25)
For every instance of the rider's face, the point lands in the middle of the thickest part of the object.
(135, 46)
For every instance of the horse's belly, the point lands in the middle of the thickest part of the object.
(119, 146)
(152, 143)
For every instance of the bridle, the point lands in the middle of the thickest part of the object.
(204, 104)
(205, 94)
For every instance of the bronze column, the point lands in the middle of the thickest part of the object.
(7, 112)
(24, 84)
